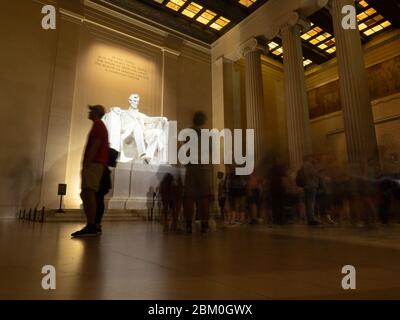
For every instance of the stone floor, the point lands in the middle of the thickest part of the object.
(135, 260)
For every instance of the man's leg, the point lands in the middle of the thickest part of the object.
(89, 205)
(99, 207)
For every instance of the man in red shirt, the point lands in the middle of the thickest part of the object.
(95, 160)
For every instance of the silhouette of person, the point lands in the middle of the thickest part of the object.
(95, 160)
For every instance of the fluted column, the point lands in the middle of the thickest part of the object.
(298, 120)
(255, 97)
(354, 92)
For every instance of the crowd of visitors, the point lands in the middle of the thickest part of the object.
(320, 192)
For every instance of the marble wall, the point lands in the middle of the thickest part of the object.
(26, 80)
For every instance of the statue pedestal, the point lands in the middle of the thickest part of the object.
(121, 180)
(134, 184)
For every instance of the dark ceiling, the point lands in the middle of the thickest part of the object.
(158, 12)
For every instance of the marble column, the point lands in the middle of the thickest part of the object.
(298, 121)
(255, 117)
(354, 93)
(170, 84)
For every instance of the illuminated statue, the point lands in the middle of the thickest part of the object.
(137, 136)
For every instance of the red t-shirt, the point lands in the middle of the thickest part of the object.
(98, 132)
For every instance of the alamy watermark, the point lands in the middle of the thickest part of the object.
(349, 280)
(49, 20)
(206, 149)
(49, 280)
(349, 21)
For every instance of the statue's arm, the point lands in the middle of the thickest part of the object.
(150, 120)
(116, 110)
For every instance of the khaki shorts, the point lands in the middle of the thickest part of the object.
(91, 176)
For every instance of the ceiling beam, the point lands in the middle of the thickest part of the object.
(179, 23)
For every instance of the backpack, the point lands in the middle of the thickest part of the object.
(105, 182)
(301, 178)
(112, 157)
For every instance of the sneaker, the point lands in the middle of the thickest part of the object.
(87, 231)
(99, 230)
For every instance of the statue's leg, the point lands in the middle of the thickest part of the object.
(154, 144)
(139, 139)
(151, 149)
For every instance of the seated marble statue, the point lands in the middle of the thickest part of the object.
(136, 136)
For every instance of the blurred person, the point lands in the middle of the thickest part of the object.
(386, 185)
(324, 197)
(291, 196)
(222, 194)
(167, 191)
(151, 203)
(253, 195)
(340, 193)
(276, 192)
(368, 193)
(308, 179)
(284, 194)
(197, 188)
(362, 194)
(236, 197)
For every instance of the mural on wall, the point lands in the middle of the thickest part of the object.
(383, 80)
(324, 100)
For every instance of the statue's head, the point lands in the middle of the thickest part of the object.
(134, 100)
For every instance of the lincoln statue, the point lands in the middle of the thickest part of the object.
(136, 136)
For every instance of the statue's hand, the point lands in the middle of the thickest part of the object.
(129, 140)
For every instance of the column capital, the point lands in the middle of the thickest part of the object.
(250, 45)
(291, 20)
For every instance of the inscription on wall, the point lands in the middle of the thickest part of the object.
(122, 66)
